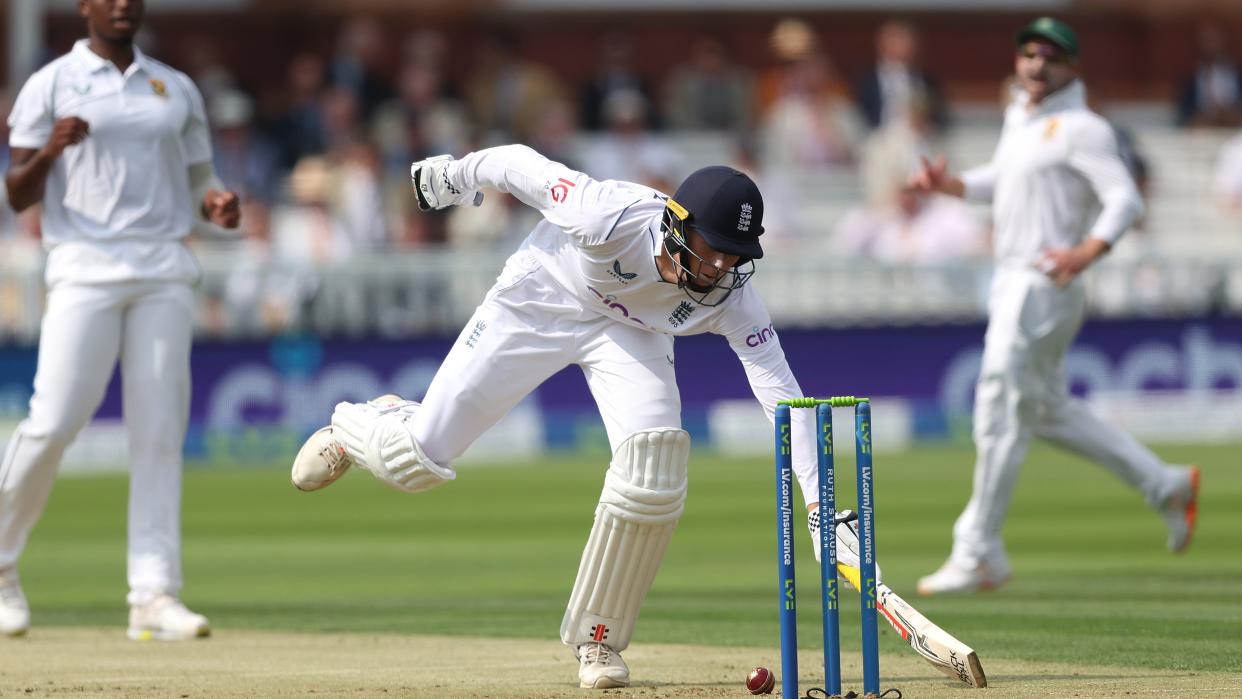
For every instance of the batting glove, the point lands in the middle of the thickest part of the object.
(812, 524)
(847, 537)
(847, 541)
(434, 189)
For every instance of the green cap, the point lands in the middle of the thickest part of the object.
(1052, 30)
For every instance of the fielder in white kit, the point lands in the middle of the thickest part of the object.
(1061, 197)
(605, 281)
(115, 145)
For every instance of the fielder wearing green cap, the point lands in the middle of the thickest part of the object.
(1052, 30)
(1061, 197)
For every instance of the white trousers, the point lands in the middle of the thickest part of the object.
(1022, 392)
(85, 328)
(527, 329)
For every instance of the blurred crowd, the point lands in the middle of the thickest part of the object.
(322, 158)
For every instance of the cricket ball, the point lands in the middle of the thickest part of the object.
(760, 681)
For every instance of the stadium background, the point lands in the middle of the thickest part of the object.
(339, 291)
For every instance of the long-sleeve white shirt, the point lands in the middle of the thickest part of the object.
(1056, 177)
(600, 239)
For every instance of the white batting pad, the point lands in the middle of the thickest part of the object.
(377, 438)
(644, 495)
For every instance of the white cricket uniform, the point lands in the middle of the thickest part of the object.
(1056, 176)
(116, 208)
(584, 289)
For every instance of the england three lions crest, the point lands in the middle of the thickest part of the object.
(743, 218)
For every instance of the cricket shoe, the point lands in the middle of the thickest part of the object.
(14, 610)
(165, 618)
(955, 577)
(1180, 510)
(320, 461)
(601, 667)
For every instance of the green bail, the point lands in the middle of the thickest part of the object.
(835, 401)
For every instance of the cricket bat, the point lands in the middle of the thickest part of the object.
(934, 644)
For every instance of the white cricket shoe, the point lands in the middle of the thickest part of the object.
(601, 667)
(166, 619)
(955, 577)
(14, 610)
(1180, 511)
(320, 461)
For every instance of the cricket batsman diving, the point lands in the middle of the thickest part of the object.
(605, 281)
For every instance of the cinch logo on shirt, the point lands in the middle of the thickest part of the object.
(743, 219)
(159, 88)
(760, 336)
(623, 277)
(611, 302)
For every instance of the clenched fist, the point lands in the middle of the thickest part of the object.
(222, 208)
(67, 131)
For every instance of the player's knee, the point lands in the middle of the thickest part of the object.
(57, 432)
(647, 478)
(1003, 401)
(1031, 402)
(990, 392)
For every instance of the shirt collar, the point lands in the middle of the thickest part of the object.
(892, 68)
(657, 237)
(1072, 95)
(94, 62)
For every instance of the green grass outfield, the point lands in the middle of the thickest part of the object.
(495, 553)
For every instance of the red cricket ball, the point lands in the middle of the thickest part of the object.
(760, 681)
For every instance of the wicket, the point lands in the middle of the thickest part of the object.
(827, 543)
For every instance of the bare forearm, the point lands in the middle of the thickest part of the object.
(933, 178)
(953, 186)
(27, 177)
(1063, 265)
(1093, 249)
